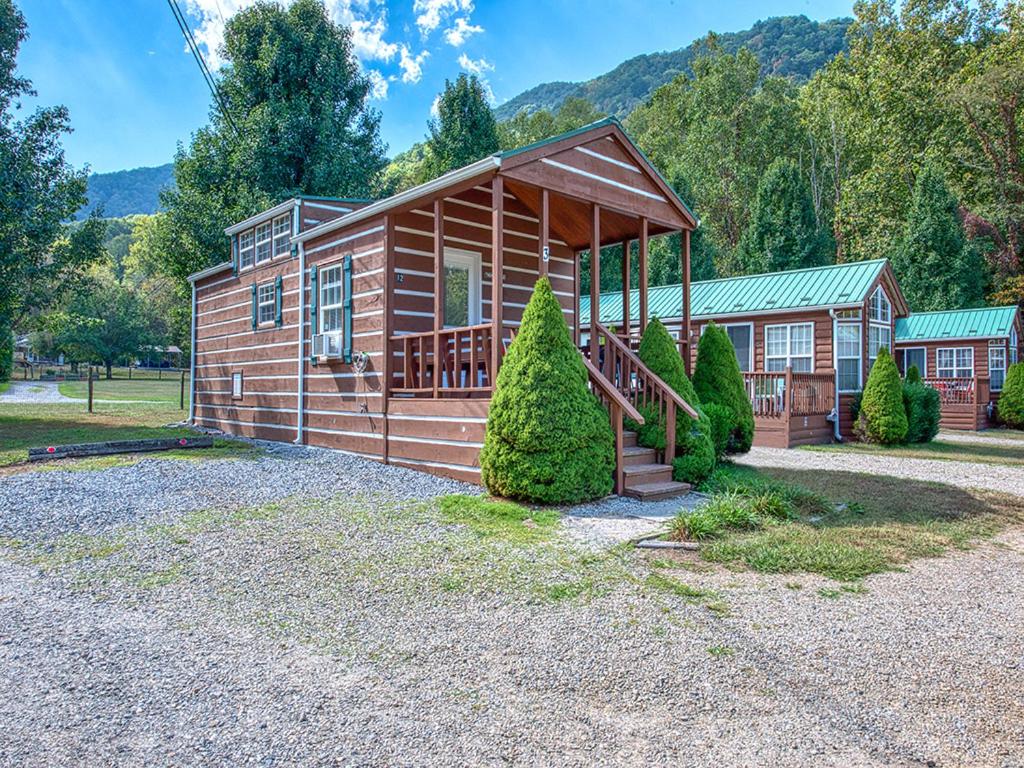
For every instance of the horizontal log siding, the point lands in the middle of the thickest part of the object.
(822, 333)
(442, 437)
(226, 343)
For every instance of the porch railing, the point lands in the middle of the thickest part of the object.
(959, 390)
(463, 367)
(773, 394)
(643, 389)
(618, 407)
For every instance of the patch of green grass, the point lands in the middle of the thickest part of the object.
(74, 547)
(4, 386)
(793, 585)
(167, 391)
(222, 449)
(667, 584)
(494, 519)
(720, 651)
(947, 450)
(834, 593)
(162, 577)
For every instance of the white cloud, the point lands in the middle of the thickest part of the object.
(435, 107)
(475, 67)
(378, 85)
(462, 30)
(431, 12)
(412, 66)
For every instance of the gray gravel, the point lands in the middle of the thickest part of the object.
(45, 504)
(962, 474)
(993, 437)
(34, 392)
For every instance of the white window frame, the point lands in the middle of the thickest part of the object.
(473, 261)
(266, 228)
(262, 302)
(924, 370)
(788, 357)
(750, 349)
(281, 235)
(859, 327)
(323, 307)
(1014, 344)
(237, 387)
(956, 369)
(250, 249)
(1000, 348)
(880, 327)
(884, 308)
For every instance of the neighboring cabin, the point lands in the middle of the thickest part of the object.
(788, 320)
(964, 354)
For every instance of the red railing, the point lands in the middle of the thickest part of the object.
(953, 390)
(465, 362)
(619, 365)
(797, 394)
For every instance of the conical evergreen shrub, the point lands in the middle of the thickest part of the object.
(717, 379)
(883, 418)
(695, 448)
(549, 440)
(1010, 407)
(913, 375)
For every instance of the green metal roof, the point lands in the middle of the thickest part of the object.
(984, 323)
(816, 287)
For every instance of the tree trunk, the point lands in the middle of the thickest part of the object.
(109, 365)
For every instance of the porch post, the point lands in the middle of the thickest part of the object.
(625, 289)
(389, 326)
(595, 284)
(685, 247)
(643, 274)
(497, 267)
(439, 363)
(544, 233)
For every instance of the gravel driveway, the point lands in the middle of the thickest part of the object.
(358, 628)
(34, 392)
(962, 474)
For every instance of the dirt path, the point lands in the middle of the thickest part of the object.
(35, 392)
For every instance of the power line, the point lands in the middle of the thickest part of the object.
(211, 82)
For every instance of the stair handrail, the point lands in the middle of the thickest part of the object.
(599, 380)
(618, 406)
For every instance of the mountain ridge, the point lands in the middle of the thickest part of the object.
(127, 192)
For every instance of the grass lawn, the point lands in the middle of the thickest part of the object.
(24, 426)
(4, 386)
(845, 525)
(166, 391)
(950, 450)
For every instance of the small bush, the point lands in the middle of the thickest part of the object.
(548, 439)
(1010, 406)
(882, 417)
(799, 500)
(717, 379)
(722, 422)
(913, 375)
(771, 505)
(923, 408)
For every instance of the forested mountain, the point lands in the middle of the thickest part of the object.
(123, 193)
(790, 46)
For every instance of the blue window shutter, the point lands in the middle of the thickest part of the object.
(255, 308)
(278, 300)
(313, 295)
(346, 281)
(234, 254)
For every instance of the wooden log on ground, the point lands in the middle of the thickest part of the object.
(117, 446)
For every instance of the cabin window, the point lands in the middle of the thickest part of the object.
(1014, 344)
(265, 303)
(912, 356)
(331, 299)
(262, 242)
(742, 338)
(246, 249)
(789, 345)
(848, 351)
(955, 363)
(236, 385)
(282, 234)
(881, 309)
(878, 336)
(996, 367)
(461, 288)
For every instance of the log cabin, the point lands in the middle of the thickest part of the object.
(964, 354)
(378, 327)
(793, 333)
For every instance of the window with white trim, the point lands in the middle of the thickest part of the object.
(1014, 344)
(848, 351)
(246, 249)
(878, 336)
(789, 345)
(996, 367)
(282, 234)
(881, 309)
(913, 357)
(955, 363)
(262, 242)
(330, 299)
(265, 304)
(236, 385)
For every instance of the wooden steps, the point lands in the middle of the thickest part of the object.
(643, 477)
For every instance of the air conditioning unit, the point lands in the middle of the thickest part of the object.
(327, 346)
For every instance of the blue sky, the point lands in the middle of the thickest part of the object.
(134, 92)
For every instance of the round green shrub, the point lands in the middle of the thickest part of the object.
(913, 375)
(549, 440)
(882, 417)
(923, 409)
(717, 379)
(1010, 407)
(722, 420)
(696, 454)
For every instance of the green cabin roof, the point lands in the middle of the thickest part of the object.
(817, 287)
(984, 323)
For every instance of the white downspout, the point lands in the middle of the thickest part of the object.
(192, 364)
(302, 342)
(835, 367)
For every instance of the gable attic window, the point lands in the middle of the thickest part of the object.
(246, 249)
(263, 242)
(879, 326)
(282, 235)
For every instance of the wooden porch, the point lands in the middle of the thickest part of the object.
(791, 408)
(963, 401)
